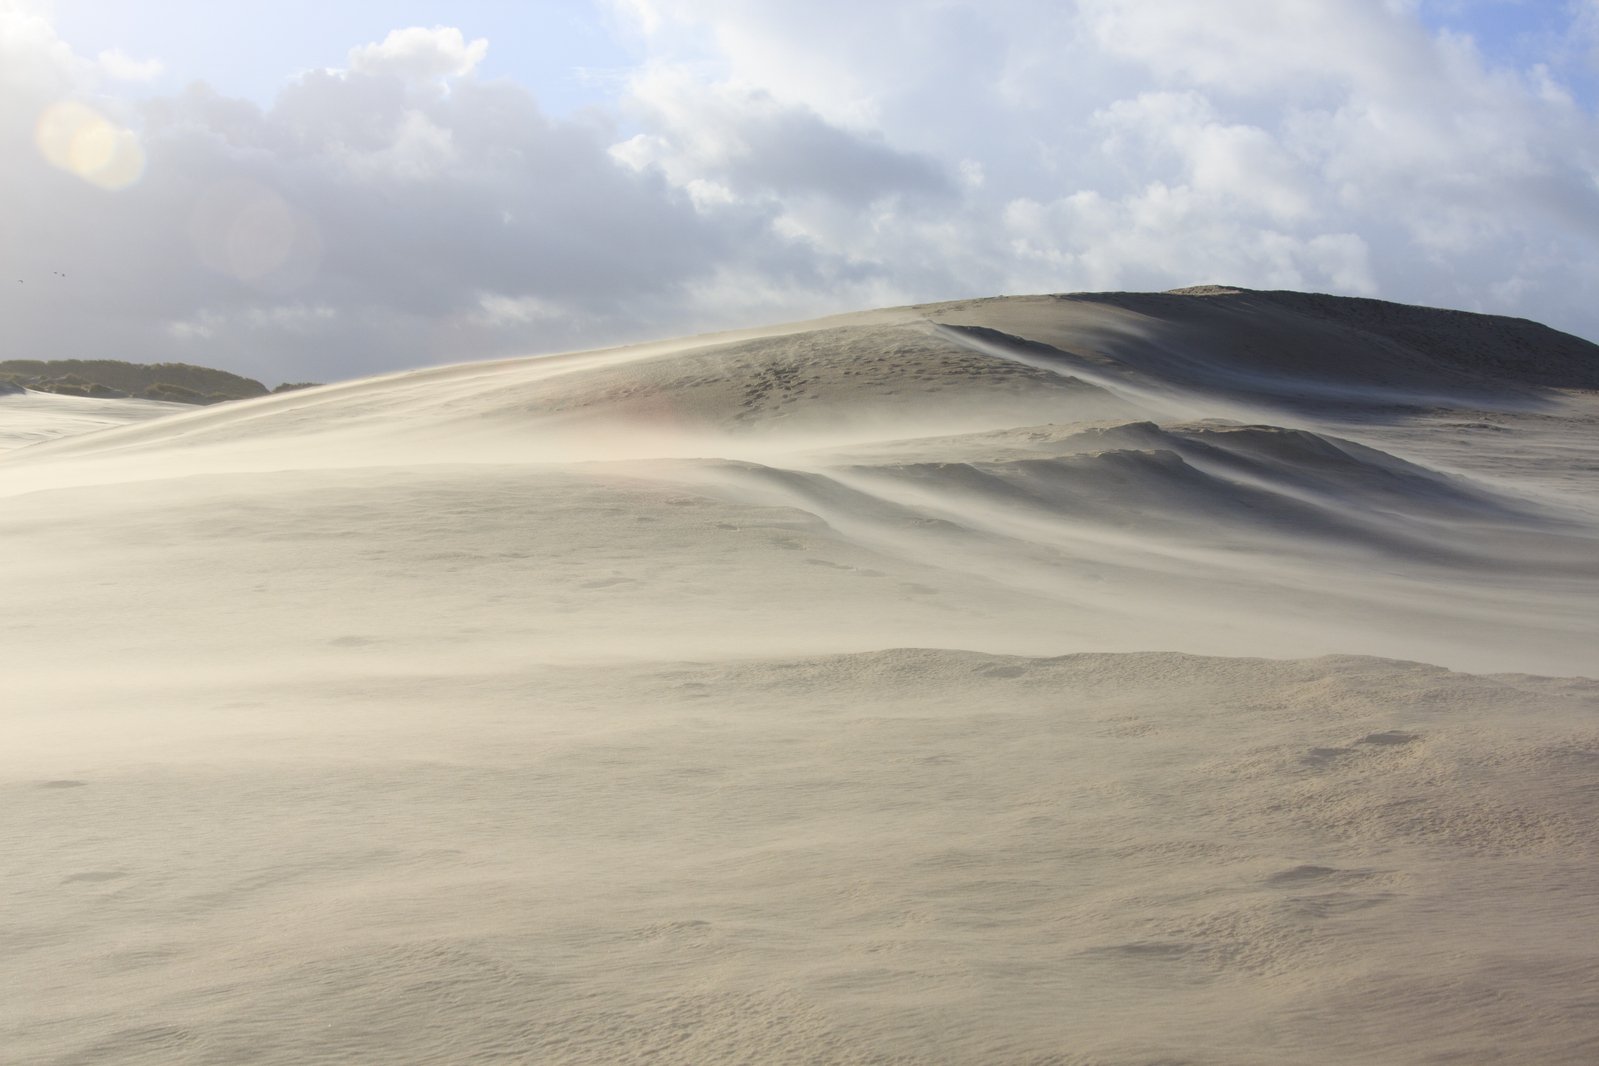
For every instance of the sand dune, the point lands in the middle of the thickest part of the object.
(1120, 678)
(28, 417)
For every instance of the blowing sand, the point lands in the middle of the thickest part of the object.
(1198, 677)
(28, 417)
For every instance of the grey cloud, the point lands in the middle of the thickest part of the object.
(362, 222)
(754, 145)
(790, 151)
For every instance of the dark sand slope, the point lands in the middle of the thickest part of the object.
(1298, 349)
(570, 709)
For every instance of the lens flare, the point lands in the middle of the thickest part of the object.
(82, 141)
(248, 232)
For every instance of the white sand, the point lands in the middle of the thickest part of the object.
(29, 417)
(560, 710)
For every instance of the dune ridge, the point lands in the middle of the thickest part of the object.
(1203, 676)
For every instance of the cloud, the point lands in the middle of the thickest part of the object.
(1148, 143)
(418, 226)
(119, 66)
(416, 54)
(1235, 167)
(36, 60)
(1126, 242)
(745, 142)
(1308, 49)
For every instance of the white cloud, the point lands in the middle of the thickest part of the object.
(35, 59)
(1296, 50)
(1160, 234)
(1235, 166)
(119, 66)
(417, 54)
(293, 318)
(201, 327)
(497, 309)
(1339, 145)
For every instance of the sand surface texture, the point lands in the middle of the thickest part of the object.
(1201, 677)
(28, 417)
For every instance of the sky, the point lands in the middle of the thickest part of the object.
(302, 191)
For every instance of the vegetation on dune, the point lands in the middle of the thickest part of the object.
(113, 379)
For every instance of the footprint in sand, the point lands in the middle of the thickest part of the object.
(1391, 738)
(1299, 875)
(1321, 758)
(994, 670)
(351, 642)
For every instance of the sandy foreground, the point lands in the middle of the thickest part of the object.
(1168, 678)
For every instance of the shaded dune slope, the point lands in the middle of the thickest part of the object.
(1291, 349)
